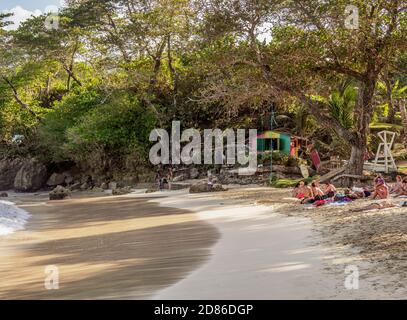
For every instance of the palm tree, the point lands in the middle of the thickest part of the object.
(392, 95)
(341, 104)
(403, 113)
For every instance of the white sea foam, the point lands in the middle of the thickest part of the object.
(12, 218)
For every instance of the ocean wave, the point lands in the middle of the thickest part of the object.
(12, 218)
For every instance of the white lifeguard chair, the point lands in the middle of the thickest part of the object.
(384, 161)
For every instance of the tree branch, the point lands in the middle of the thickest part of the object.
(19, 101)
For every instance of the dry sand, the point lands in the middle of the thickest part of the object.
(104, 248)
(265, 255)
(375, 238)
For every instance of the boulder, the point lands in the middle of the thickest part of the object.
(68, 178)
(31, 176)
(72, 175)
(218, 187)
(201, 186)
(112, 185)
(194, 173)
(56, 179)
(104, 186)
(59, 193)
(179, 178)
(3, 195)
(8, 172)
(121, 191)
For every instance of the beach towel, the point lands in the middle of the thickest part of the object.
(319, 203)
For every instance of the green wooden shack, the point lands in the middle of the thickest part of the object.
(273, 140)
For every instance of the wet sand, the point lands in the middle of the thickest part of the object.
(104, 248)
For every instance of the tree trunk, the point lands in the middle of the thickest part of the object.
(363, 114)
(356, 161)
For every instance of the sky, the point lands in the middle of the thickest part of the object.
(23, 9)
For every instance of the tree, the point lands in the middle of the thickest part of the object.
(311, 48)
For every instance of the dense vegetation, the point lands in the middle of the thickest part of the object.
(88, 87)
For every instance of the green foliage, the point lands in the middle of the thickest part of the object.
(67, 113)
(341, 105)
(289, 183)
(96, 85)
(112, 135)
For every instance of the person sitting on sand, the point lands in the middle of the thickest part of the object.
(403, 189)
(316, 190)
(316, 194)
(303, 191)
(330, 190)
(398, 186)
(296, 190)
(381, 190)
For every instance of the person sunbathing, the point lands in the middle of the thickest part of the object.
(296, 189)
(316, 190)
(353, 195)
(403, 189)
(316, 193)
(375, 206)
(362, 192)
(398, 186)
(330, 190)
(303, 191)
(381, 190)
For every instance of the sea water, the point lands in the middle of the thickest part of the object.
(12, 218)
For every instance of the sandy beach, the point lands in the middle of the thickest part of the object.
(246, 243)
(265, 254)
(104, 248)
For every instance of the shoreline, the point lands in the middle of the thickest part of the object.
(12, 218)
(104, 248)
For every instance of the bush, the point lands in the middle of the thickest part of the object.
(288, 183)
(113, 135)
(67, 114)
